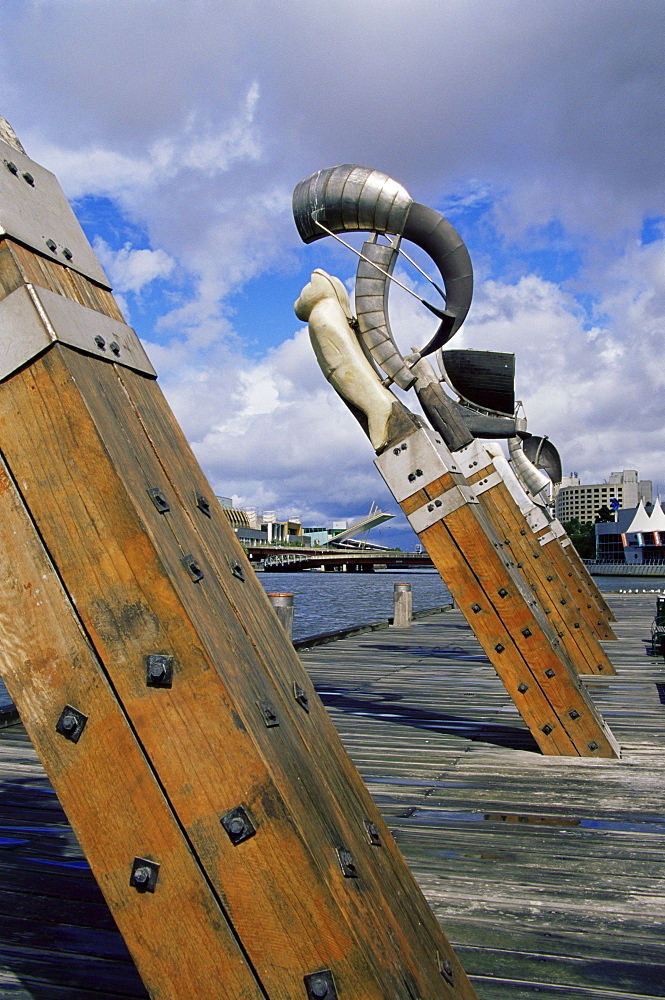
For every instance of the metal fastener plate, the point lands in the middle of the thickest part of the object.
(425, 452)
(43, 318)
(71, 723)
(301, 696)
(373, 834)
(159, 670)
(35, 211)
(267, 710)
(347, 863)
(441, 507)
(203, 504)
(238, 825)
(193, 568)
(320, 986)
(159, 500)
(144, 875)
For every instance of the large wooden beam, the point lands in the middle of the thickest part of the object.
(238, 849)
(482, 576)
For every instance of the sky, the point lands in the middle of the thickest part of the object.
(179, 128)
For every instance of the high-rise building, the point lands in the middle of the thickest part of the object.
(574, 500)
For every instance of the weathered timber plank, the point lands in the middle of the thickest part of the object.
(123, 814)
(149, 603)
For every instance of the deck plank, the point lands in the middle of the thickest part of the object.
(545, 872)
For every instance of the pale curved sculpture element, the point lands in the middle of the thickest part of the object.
(324, 304)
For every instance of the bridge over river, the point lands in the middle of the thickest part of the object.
(290, 559)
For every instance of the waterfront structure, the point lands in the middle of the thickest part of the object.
(583, 502)
(636, 537)
(252, 527)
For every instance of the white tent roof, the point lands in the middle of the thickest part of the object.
(641, 521)
(657, 517)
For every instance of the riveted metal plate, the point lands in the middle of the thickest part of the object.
(33, 318)
(144, 875)
(407, 469)
(472, 458)
(34, 211)
(482, 485)
(320, 986)
(238, 825)
(159, 670)
(537, 518)
(549, 536)
(71, 723)
(347, 863)
(436, 510)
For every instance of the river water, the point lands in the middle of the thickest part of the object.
(325, 602)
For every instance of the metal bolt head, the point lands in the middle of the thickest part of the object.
(68, 722)
(11, 167)
(52, 246)
(593, 745)
(320, 985)
(101, 343)
(115, 348)
(142, 875)
(28, 178)
(66, 253)
(238, 825)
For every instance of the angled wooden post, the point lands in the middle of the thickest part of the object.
(445, 513)
(514, 514)
(235, 843)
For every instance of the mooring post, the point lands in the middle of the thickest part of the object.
(283, 605)
(403, 601)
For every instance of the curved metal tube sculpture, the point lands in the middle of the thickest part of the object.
(351, 198)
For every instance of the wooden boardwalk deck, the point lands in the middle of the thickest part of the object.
(546, 873)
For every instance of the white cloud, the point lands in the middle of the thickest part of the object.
(131, 270)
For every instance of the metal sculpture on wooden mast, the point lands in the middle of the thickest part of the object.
(507, 562)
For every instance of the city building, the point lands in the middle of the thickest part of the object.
(583, 502)
(252, 526)
(637, 536)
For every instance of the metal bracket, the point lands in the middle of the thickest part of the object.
(159, 670)
(193, 568)
(34, 211)
(438, 509)
(237, 570)
(445, 968)
(159, 500)
(144, 875)
(267, 710)
(34, 318)
(420, 459)
(482, 485)
(301, 696)
(320, 986)
(238, 825)
(373, 834)
(71, 723)
(346, 863)
(203, 504)
(472, 458)
(549, 536)
(537, 518)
